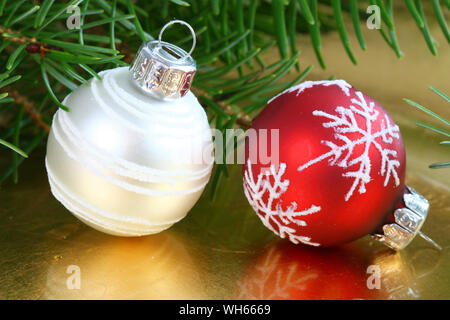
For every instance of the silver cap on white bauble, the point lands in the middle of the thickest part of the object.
(162, 69)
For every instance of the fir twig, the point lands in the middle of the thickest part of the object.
(30, 109)
(43, 60)
(431, 127)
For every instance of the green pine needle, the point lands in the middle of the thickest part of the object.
(441, 19)
(440, 93)
(280, 27)
(306, 11)
(137, 24)
(24, 15)
(42, 14)
(428, 111)
(357, 23)
(14, 148)
(49, 88)
(2, 6)
(314, 31)
(9, 81)
(425, 30)
(414, 13)
(181, 3)
(440, 165)
(341, 28)
(433, 128)
(14, 55)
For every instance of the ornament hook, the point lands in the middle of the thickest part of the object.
(428, 239)
(194, 38)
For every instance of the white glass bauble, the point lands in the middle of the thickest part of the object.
(124, 162)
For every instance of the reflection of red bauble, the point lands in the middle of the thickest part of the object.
(291, 272)
(341, 164)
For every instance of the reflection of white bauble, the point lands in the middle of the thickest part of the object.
(156, 267)
(127, 163)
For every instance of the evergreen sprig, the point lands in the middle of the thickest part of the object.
(445, 132)
(42, 60)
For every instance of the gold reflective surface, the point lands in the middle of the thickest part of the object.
(221, 249)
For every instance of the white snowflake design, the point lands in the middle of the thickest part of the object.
(298, 89)
(271, 213)
(286, 278)
(341, 152)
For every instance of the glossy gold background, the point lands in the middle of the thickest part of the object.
(221, 249)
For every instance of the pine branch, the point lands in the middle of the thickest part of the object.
(30, 109)
(444, 132)
(44, 60)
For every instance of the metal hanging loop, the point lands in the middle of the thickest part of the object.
(163, 69)
(194, 38)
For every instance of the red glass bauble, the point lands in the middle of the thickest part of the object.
(336, 170)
